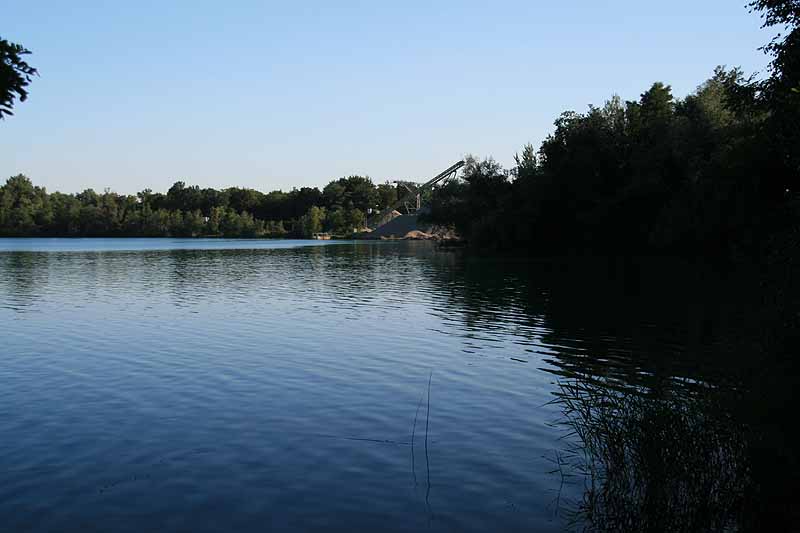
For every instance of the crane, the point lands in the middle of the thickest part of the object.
(413, 194)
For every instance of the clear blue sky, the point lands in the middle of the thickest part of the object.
(274, 95)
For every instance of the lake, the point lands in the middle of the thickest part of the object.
(226, 385)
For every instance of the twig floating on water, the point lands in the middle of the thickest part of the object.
(427, 459)
(413, 432)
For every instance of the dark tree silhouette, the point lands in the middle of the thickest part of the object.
(714, 173)
(780, 93)
(15, 76)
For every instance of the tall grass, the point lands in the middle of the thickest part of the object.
(649, 461)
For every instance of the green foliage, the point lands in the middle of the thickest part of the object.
(779, 94)
(656, 175)
(313, 221)
(189, 211)
(387, 195)
(24, 209)
(337, 221)
(471, 203)
(715, 172)
(352, 192)
(15, 75)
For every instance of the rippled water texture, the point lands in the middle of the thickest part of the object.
(167, 385)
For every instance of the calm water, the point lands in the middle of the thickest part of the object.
(212, 385)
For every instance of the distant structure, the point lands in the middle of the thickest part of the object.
(400, 217)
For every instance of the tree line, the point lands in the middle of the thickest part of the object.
(714, 172)
(341, 207)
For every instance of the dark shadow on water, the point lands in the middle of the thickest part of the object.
(675, 382)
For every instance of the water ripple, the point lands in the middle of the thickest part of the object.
(234, 385)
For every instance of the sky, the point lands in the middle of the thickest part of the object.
(275, 95)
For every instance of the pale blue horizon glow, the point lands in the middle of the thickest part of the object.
(136, 95)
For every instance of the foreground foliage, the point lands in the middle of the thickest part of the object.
(15, 75)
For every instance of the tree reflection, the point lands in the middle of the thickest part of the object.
(675, 381)
(23, 279)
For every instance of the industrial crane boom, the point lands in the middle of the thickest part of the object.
(414, 194)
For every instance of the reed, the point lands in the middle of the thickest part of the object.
(650, 461)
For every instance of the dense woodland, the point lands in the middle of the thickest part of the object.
(713, 173)
(189, 211)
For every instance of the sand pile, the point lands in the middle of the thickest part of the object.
(418, 235)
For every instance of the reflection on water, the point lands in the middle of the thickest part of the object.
(374, 386)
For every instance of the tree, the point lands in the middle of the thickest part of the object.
(657, 105)
(301, 200)
(351, 192)
(469, 202)
(783, 48)
(780, 93)
(387, 195)
(312, 222)
(334, 195)
(241, 200)
(526, 163)
(15, 75)
(215, 219)
(337, 221)
(184, 198)
(24, 208)
(355, 220)
(193, 223)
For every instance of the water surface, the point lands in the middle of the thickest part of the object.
(218, 385)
